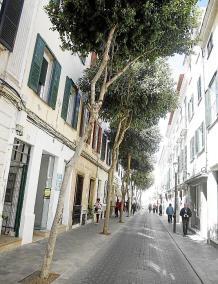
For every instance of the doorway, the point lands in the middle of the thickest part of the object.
(15, 188)
(77, 200)
(44, 191)
(90, 199)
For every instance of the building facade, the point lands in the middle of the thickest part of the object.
(192, 133)
(41, 118)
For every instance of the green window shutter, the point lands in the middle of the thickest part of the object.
(53, 90)
(36, 66)
(76, 110)
(65, 103)
(10, 18)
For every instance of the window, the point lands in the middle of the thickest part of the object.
(44, 73)
(209, 45)
(99, 139)
(84, 121)
(71, 103)
(199, 88)
(212, 101)
(109, 152)
(103, 147)
(199, 139)
(10, 12)
(192, 148)
(191, 108)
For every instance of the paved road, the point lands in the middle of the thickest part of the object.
(141, 253)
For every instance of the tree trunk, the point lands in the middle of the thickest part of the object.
(123, 125)
(67, 175)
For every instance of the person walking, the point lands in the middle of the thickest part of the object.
(133, 209)
(170, 212)
(160, 209)
(154, 208)
(185, 213)
(149, 208)
(97, 209)
(117, 207)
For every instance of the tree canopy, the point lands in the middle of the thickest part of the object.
(158, 28)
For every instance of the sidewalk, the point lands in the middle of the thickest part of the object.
(202, 257)
(75, 247)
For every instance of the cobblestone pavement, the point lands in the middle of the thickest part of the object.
(143, 252)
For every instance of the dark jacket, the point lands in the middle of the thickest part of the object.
(185, 213)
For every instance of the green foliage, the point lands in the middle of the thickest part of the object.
(163, 27)
(146, 90)
(142, 180)
(141, 145)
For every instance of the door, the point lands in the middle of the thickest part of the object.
(15, 188)
(77, 200)
(90, 198)
(43, 192)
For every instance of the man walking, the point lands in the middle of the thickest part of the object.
(185, 213)
(170, 212)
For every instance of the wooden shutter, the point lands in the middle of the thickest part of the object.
(10, 17)
(65, 103)
(76, 110)
(99, 139)
(36, 66)
(53, 90)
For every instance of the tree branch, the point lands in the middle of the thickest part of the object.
(102, 65)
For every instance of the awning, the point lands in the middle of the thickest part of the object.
(195, 180)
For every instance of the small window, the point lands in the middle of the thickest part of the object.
(199, 88)
(103, 147)
(212, 101)
(192, 148)
(209, 45)
(45, 75)
(191, 108)
(71, 105)
(10, 13)
(199, 139)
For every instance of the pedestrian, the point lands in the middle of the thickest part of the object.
(170, 212)
(117, 206)
(185, 213)
(160, 209)
(154, 208)
(149, 208)
(97, 209)
(127, 207)
(133, 209)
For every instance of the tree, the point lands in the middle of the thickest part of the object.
(120, 33)
(135, 157)
(138, 99)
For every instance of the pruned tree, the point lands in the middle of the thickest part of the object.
(136, 152)
(120, 33)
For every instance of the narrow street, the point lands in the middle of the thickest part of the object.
(143, 252)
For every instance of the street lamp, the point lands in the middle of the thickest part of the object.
(175, 166)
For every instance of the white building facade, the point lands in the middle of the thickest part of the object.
(41, 118)
(193, 132)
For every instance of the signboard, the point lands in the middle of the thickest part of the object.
(47, 193)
